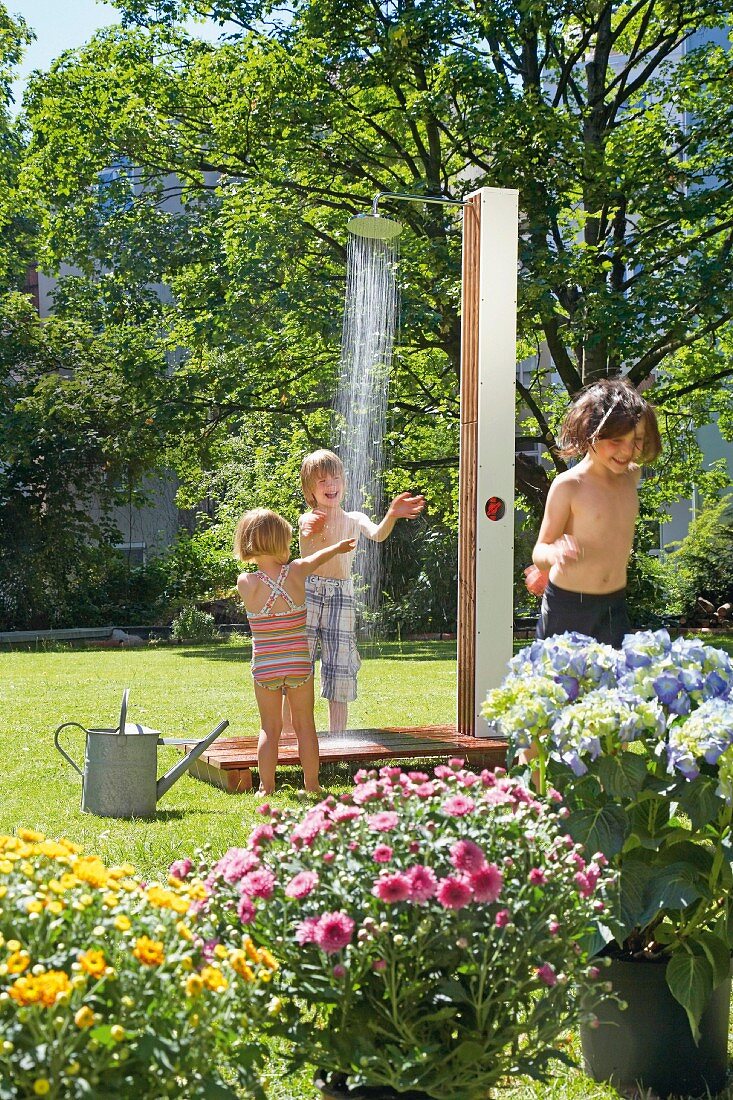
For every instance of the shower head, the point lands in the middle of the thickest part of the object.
(373, 226)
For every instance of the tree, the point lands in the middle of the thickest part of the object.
(614, 120)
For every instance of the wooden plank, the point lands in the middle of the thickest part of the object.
(468, 466)
(228, 762)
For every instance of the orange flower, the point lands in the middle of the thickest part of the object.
(94, 962)
(18, 962)
(149, 952)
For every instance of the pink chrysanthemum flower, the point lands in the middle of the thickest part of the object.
(259, 835)
(258, 884)
(245, 909)
(459, 805)
(467, 856)
(181, 868)
(546, 974)
(382, 853)
(333, 932)
(301, 884)
(235, 863)
(502, 918)
(537, 876)
(487, 883)
(422, 882)
(306, 931)
(453, 892)
(392, 888)
(426, 790)
(345, 813)
(384, 821)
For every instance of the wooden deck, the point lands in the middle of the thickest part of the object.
(229, 762)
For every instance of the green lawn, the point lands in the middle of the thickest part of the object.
(184, 690)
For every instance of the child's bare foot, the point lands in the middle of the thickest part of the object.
(263, 793)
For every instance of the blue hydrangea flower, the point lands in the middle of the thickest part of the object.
(705, 735)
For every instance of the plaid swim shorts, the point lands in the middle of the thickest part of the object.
(331, 629)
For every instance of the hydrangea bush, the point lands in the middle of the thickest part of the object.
(107, 989)
(428, 928)
(641, 746)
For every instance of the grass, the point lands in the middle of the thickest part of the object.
(186, 691)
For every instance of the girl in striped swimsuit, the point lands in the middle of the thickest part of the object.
(274, 597)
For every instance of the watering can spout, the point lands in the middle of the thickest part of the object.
(166, 781)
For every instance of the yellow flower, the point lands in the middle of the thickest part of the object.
(183, 930)
(194, 985)
(187, 963)
(27, 869)
(267, 959)
(72, 1069)
(117, 1032)
(149, 952)
(238, 961)
(249, 947)
(41, 1086)
(197, 891)
(18, 961)
(13, 945)
(30, 835)
(3, 891)
(55, 907)
(34, 907)
(274, 1006)
(213, 978)
(220, 951)
(90, 869)
(122, 923)
(94, 962)
(84, 1017)
(5, 866)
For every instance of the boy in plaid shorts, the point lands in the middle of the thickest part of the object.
(329, 593)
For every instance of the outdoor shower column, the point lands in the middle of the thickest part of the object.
(486, 481)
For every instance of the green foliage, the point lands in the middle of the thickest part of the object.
(287, 126)
(703, 563)
(193, 625)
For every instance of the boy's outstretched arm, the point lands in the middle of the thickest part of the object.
(554, 546)
(309, 565)
(403, 506)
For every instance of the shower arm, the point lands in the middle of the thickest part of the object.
(413, 198)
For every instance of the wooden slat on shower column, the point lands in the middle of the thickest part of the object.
(468, 468)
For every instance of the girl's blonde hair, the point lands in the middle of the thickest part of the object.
(315, 465)
(262, 531)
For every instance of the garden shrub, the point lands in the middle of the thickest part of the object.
(703, 563)
(193, 625)
(106, 990)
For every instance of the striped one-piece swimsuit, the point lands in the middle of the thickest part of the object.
(280, 654)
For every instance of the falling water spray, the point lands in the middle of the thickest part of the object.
(370, 321)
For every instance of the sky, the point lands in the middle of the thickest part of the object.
(62, 25)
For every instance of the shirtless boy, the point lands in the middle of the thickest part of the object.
(587, 531)
(330, 592)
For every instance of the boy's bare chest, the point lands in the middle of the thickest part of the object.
(605, 513)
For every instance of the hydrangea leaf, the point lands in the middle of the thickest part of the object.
(690, 979)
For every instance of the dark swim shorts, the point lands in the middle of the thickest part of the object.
(603, 617)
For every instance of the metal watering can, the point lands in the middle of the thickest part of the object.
(121, 765)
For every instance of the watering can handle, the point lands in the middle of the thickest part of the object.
(63, 752)
(123, 711)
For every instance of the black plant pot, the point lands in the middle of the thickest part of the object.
(335, 1088)
(650, 1044)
